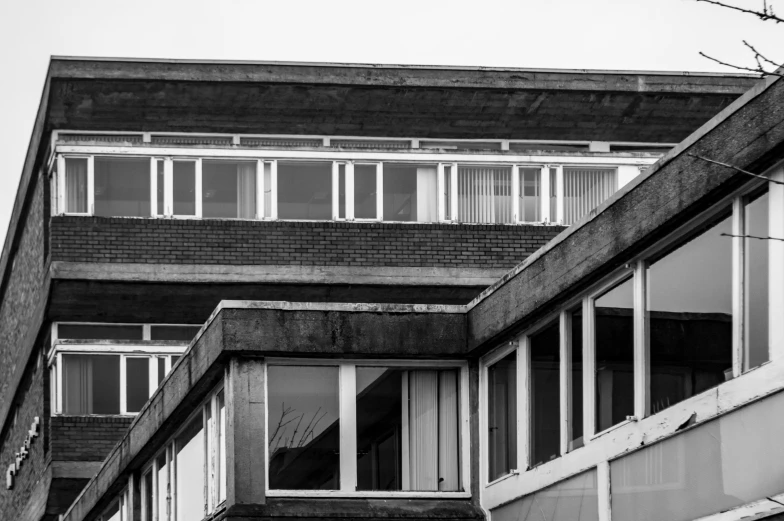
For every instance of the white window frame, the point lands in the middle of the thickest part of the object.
(644, 427)
(347, 407)
(123, 503)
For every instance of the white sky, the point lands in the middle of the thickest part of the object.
(584, 34)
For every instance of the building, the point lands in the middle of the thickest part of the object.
(262, 290)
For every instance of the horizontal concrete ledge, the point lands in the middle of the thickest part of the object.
(274, 274)
(75, 469)
(337, 306)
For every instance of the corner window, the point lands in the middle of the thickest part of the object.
(502, 416)
(91, 384)
(122, 187)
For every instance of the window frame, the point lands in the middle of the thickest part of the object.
(348, 438)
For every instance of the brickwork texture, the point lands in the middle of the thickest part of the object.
(172, 241)
(86, 438)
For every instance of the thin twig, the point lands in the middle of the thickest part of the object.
(307, 427)
(752, 237)
(758, 70)
(738, 169)
(764, 15)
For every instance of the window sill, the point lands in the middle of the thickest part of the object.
(368, 494)
(511, 474)
(610, 429)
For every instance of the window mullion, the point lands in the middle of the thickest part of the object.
(515, 193)
(523, 404)
(123, 385)
(440, 198)
(198, 189)
(260, 189)
(642, 368)
(60, 186)
(153, 187)
(91, 185)
(348, 427)
(454, 216)
(565, 370)
(738, 286)
(59, 372)
(775, 262)
(335, 190)
(544, 193)
(589, 371)
(274, 190)
(559, 194)
(153, 372)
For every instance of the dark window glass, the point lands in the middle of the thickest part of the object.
(184, 186)
(407, 412)
(545, 394)
(574, 499)
(305, 191)
(757, 310)
(410, 192)
(576, 423)
(502, 416)
(304, 427)
(163, 485)
(91, 384)
(614, 330)
(690, 306)
(122, 187)
(365, 192)
(229, 189)
(160, 188)
(137, 382)
(99, 332)
(174, 360)
(189, 470)
(148, 497)
(161, 369)
(184, 333)
(342, 191)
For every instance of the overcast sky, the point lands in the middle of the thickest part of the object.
(580, 34)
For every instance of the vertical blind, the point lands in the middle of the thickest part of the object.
(484, 194)
(585, 189)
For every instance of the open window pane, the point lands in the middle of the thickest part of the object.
(576, 420)
(410, 192)
(304, 190)
(502, 416)
(189, 447)
(76, 185)
(575, 499)
(304, 427)
(407, 429)
(122, 187)
(137, 382)
(484, 194)
(585, 189)
(183, 333)
(184, 183)
(99, 332)
(530, 195)
(757, 267)
(545, 394)
(229, 189)
(91, 384)
(365, 192)
(690, 314)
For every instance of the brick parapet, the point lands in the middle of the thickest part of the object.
(86, 438)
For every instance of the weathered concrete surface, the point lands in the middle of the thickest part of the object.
(749, 135)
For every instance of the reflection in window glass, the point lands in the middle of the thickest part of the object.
(229, 189)
(183, 333)
(365, 191)
(148, 497)
(690, 314)
(410, 192)
(304, 190)
(572, 499)
(184, 185)
(502, 416)
(161, 369)
(122, 187)
(163, 486)
(407, 412)
(614, 341)
(576, 421)
(189, 447)
(756, 351)
(160, 187)
(76, 185)
(137, 382)
(725, 463)
(484, 194)
(99, 332)
(530, 195)
(304, 427)
(91, 384)
(267, 189)
(544, 349)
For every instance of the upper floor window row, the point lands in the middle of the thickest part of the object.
(330, 190)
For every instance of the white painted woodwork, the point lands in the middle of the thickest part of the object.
(198, 189)
(349, 189)
(515, 192)
(260, 203)
(336, 190)
(738, 286)
(60, 187)
(524, 404)
(559, 194)
(589, 370)
(775, 264)
(274, 190)
(91, 184)
(348, 423)
(544, 184)
(440, 199)
(641, 343)
(168, 187)
(565, 378)
(603, 490)
(453, 193)
(379, 191)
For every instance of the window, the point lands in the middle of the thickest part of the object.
(365, 428)
(410, 192)
(502, 416)
(574, 498)
(365, 192)
(586, 188)
(756, 272)
(544, 348)
(184, 188)
(76, 185)
(484, 194)
(530, 195)
(137, 382)
(100, 332)
(180, 333)
(122, 187)
(191, 464)
(304, 190)
(229, 189)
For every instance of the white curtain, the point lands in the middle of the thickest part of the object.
(77, 384)
(246, 191)
(76, 185)
(484, 194)
(448, 454)
(426, 194)
(585, 189)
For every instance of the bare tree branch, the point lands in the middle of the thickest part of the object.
(738, 169)
(752, 237)
(764, 15)
(759, 70)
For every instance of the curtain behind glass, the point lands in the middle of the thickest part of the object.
(246, 190)
(76, 185)
(77, 384)
(426, 187)
(585, 189)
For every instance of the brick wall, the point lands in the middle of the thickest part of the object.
(86, 438)
(100, 239)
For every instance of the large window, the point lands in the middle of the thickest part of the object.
(229, 189)
(365, 429)
(410, 192)
(122, 187)
(305, 190)
(502, 416)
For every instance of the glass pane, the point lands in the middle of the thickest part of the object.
(553, 196)
(76, 185)
(174, 359)
(212, 433)
(161, 369)
(304, 427)
(305, 190)
(756, 283)
(484, 194)
(184, 183)
(160, 187)
(447, 195)
(365, 192)
(341, 191)
(190, 471)
(137, 382)
(112, 513)
(572, 499)
(407, 412)
(725, 463)
(502, 416)
(576, 424)
(530, 195)
(148, 497)
(410, 192)
(99, 332)
(163, 484)
(91, 384)
(122, 187)
(221, 447)
(585, 189)
(229, 189)
(614, 341)
(690, 306)
(183, 333)
(267, 189)
(545, 395)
